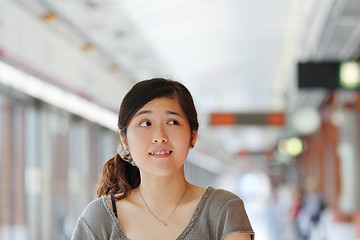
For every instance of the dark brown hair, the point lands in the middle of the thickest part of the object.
(119, 176)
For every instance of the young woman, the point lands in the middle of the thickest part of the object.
(143, 192)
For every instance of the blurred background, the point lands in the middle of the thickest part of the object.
(276, 85)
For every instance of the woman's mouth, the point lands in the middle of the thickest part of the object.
(161, 153)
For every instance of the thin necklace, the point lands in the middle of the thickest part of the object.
(152, 214)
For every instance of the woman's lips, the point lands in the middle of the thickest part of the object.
(160, 153)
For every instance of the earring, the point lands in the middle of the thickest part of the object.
(125, 154)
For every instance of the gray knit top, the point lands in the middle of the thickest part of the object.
(218, 214)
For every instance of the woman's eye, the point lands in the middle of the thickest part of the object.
(174, 122)
(145, 124)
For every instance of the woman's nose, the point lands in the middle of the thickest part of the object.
(159, 136)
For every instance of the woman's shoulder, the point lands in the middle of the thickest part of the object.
(221, 195)
(97, 211)
(95, 204)
(218, 200)
(97, 220)
(222, 210)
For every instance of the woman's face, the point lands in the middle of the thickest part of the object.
(158, 137)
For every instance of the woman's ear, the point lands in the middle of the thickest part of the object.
(122, 140)
(193, 139)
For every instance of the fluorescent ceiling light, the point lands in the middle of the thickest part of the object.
(350, 74)
(37, 88)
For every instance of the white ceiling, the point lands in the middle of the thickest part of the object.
(229, 53)
(233, 55)
(222, 50)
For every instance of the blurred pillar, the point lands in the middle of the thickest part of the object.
(357, 215)
(12, 182)
(6, 219)
(18, 164)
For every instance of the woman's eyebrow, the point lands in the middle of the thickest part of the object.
(169, 112)
(142, 112)
(173, 113)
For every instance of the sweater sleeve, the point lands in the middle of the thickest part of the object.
(82, 231)
(233, 218)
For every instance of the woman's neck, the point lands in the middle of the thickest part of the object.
(162, 191)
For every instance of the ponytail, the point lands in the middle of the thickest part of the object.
(118, 177)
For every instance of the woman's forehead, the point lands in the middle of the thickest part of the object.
(162, 103)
